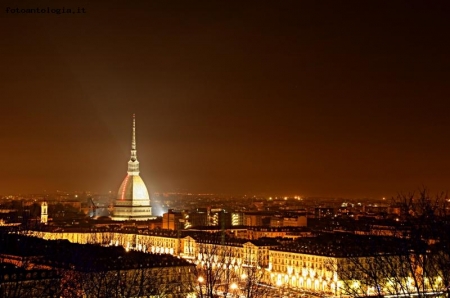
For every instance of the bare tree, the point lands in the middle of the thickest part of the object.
(228, 266)
(255, 281)
(415, 260)
(28, 283)
(216, 267)
(162, 276)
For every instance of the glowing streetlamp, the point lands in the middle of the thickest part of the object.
(279, 283)
(234, 288)
(200, 285)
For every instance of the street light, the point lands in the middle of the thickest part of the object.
(245, 284)
(233, 288)
(279, 283)
(200, 282)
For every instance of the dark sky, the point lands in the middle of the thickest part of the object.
(313, 98)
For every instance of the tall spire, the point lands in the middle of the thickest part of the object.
(133, 200)
(133, 164)
(133, 141)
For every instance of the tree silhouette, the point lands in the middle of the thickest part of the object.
(415, 260)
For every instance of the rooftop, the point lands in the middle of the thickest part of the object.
(83, 257)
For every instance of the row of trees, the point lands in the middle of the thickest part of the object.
(147, 282)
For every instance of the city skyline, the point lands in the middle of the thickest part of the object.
(311, 99)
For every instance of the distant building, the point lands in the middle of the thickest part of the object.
(283, 232)
(256, 219)
(395, 209)
(173, 220)
(323, 212)
(216, 218)
(9, 216)
(76, 205)
(237, 219)
(133, 201)
(297, 221)
(199, 218)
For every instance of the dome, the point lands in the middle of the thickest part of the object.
(133, 201)
(133, 191)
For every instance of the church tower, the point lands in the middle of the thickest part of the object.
(44, 213)
(133, 201)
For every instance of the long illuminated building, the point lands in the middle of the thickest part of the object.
(133, 201)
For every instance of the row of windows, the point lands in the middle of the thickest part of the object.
(121, 211)
(276, 255)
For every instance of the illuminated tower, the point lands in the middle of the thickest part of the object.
(44, 213)
(133, 201)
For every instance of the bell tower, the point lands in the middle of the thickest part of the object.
(44, 213)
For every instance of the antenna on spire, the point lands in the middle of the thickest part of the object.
(133, 141)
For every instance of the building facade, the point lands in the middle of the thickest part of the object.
(332, 263)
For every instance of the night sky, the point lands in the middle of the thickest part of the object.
(312, 98)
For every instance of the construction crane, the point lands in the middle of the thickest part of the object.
(93, 207)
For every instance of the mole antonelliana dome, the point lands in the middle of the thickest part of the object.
(133, 201)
